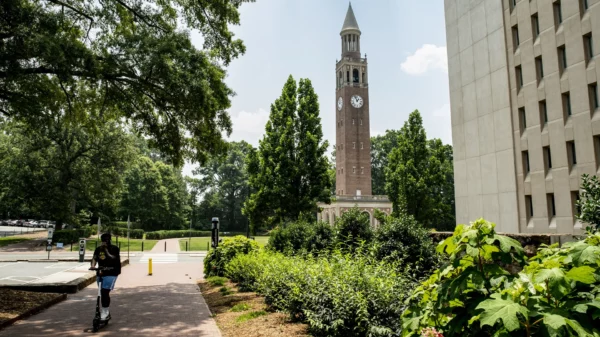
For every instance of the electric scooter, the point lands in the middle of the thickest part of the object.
(99, 323)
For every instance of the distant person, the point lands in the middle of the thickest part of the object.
(109, 261)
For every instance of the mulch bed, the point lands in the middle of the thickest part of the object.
(273, 324)
(17, 304)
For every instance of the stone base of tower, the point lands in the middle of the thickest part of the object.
(368, 204)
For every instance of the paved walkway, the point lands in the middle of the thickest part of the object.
(172, 246)
(165, 304)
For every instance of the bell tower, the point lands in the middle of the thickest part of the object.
(353, 139)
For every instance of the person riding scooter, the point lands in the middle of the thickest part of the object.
(109, 260)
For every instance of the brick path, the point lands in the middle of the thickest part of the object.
(165, 304)
(172, 246)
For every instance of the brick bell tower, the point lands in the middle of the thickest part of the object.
(353, 139)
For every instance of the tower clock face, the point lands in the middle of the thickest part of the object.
(340, 103)
(357, 101)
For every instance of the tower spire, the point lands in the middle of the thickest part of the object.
(350, 22)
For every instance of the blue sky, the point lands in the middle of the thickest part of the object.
(405, 42)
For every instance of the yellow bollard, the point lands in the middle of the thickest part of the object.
(150, 267)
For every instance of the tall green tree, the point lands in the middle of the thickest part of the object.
(156, 195)
(419, 176)
(381, 148)
(132, 59)
(224, 185)
(289, 172)
(60, 168)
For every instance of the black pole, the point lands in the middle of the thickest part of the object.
(186, 246)
(142, 246)
(165, 246)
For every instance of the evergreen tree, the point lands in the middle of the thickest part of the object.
(289, 172)
(419, 176)
(381, 147)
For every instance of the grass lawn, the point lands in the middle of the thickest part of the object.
(9, 240)
(136, 244)
(201, 243)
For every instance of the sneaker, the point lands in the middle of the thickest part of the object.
(104, 314)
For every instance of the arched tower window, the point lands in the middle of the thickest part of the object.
(363, 79)
(355, 77)
(347, 76)
(341, 80)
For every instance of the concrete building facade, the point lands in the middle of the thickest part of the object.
(524, 102)
(353, 137)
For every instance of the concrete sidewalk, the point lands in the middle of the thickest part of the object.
(166, 304)
(172, 246)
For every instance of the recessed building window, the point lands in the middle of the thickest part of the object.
(362, 170)
(566, 104)
(543, 112)
(515, 34)
(513, 4)
(593, 91)
(352, 121)
(574, 200)
(525, 156)
(519, 74)
(522, 119)
(529, 207)
(361, 122)
(571, 153)
(547, 158)
(558, 19)
(588, 46)
(354, 145)
(361, 145)
(535, 25)
(551, 205)
(539, 68)
(597, 151)
(562, 59)
(584, 6)
(353, 169)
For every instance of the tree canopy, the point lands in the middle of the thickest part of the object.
(128, 59)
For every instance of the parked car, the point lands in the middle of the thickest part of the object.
(4, 222)
(43, 223)
(30, 223)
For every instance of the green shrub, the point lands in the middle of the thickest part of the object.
(165, 234)
(71, 235)
(225, 291)
(488, 289)
(404, 240)
(302, 236)
(352, 227)
(336, 294)
(215, 261)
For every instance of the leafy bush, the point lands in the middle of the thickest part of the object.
(160, 235)
(240, 307)
(352, 227)
(336, 294)
(216, 281)
(71, 235)
(404, 240)
(302, 236)
(215, 261)
(589, 204)
(488, 289)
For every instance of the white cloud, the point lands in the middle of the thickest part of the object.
(428, 57)
(444, 111)
(249, 126)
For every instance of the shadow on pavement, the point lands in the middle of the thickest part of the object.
(162, 310)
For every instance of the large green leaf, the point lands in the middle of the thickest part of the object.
(500, 309)
(557, 283)
(582, 253)
(581, 332)
(554, 321)
(583, 274)
(506, 243)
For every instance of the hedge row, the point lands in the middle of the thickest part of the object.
(117, 231)
(159, 235)
(71, 235)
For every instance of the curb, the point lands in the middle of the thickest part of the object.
(34, 311)
(61, 288)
